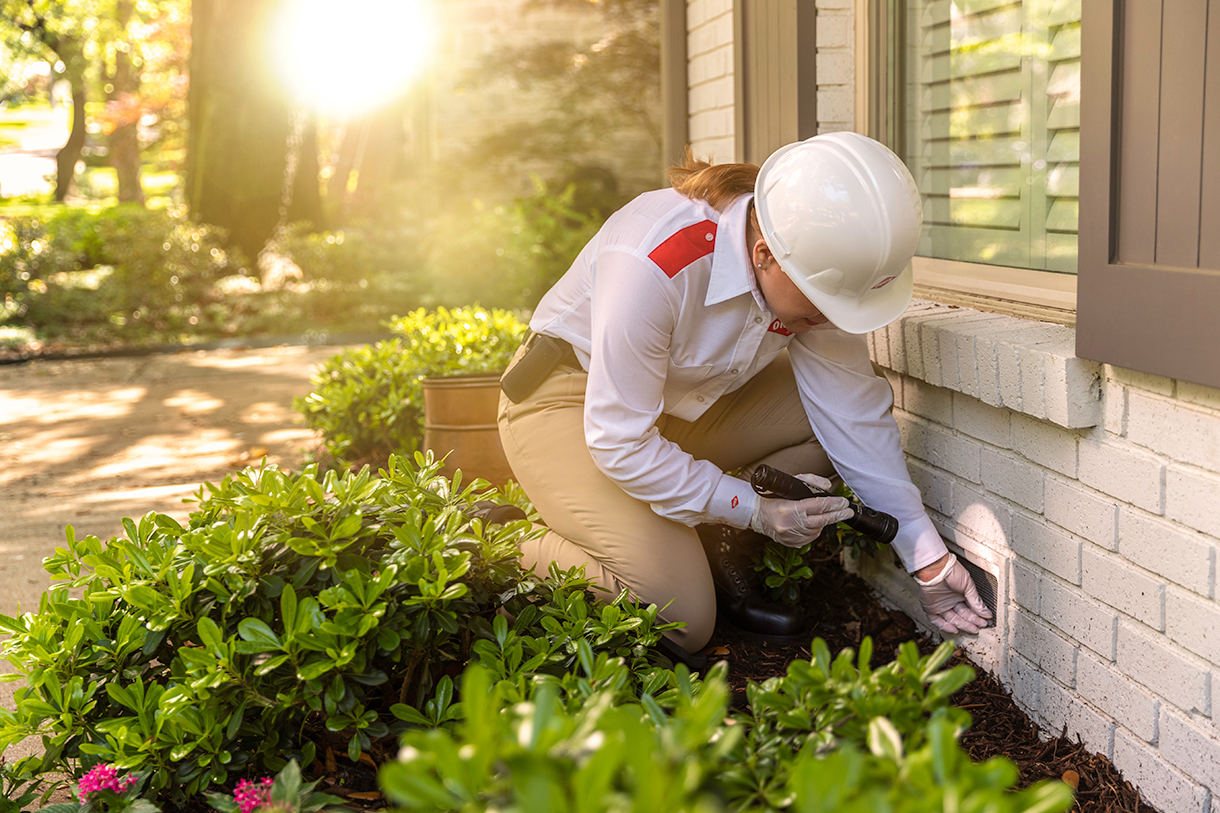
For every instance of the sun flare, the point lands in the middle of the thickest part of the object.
(347, 59)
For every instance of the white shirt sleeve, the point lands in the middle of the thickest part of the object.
(634, 311)
(849, 407)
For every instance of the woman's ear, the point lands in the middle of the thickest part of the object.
(761, 254)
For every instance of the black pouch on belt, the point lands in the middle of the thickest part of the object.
(543, 354)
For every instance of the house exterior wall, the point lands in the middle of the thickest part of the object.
(711, 101)
(1089, 492)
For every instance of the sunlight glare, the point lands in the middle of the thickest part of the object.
(347, 59)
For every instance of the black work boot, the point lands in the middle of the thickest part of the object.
(493, 513)
(731, 554)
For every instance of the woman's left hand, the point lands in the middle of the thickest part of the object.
(950, 599)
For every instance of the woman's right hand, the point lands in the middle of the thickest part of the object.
(798, 522)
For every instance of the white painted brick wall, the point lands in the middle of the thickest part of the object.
(1191, 498)
(1081, 510)
(1131, 705)
(1152, 660)
(1183, 556)
(836, 66)
(1098, 491)
(1127, 589)
(1159, 783)
(711, 98)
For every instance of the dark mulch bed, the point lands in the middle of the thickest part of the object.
(846, 611)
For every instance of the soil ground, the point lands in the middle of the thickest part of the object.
(88, 442)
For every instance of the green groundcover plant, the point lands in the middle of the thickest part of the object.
(830, 735)
(290, 614)
(368, 401)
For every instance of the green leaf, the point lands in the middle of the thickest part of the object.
(884, 740)
(210, 635)
(256, 631)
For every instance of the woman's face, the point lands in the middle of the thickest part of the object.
(784, 299)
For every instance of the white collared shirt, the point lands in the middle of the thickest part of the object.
(664, 313)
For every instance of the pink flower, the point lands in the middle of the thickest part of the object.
(103, 777)
(249, 795)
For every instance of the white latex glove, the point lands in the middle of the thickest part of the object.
(798, 522)
(951, 602)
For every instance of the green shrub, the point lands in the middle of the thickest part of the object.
(289, 615)
(122, 265)
(361, 275)
(368, 401)
(828, 736)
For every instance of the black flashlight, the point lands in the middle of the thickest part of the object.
(771, 482)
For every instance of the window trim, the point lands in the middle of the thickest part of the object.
(1042, 295)
(675, 112)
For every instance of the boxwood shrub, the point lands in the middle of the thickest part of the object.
(368, 403)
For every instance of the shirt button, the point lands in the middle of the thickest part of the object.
(758, 320)
(709, 237)
(733, 372)
(700, 398)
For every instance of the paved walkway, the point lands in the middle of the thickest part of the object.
(87, 443)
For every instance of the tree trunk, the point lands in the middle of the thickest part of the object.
(125, 139)
(239, 124)
(69, 154)
(307, 186)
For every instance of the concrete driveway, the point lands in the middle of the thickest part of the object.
(86, 443)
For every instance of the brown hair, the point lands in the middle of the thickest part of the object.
(718, 184)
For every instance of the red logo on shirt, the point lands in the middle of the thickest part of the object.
(683, 247)
(778, 327)
(734, 502)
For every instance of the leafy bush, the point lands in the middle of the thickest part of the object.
(125, 264)
(290, 615)
(828, 736)
(364, 273)
(368, 401)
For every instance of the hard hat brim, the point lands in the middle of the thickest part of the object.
(864, 314)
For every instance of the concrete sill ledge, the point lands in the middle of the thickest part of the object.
(1029, 367)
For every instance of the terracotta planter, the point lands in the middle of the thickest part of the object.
(460, 421)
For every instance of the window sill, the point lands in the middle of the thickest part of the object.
(1040, 295)
(1026, 366)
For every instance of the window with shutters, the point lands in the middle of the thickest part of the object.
(992, 130)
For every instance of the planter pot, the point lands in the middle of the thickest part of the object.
(460, 421)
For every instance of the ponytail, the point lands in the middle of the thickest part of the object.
(718, 184)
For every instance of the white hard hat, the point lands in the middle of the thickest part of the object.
(841, 214)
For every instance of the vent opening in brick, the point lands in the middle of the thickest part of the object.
(984, 582)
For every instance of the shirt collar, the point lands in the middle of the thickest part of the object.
(731, 274)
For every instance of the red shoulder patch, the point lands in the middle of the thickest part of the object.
(683, 247)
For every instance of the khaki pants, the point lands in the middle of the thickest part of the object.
(620, 541)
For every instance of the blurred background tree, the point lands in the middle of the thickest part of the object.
(356, 159)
